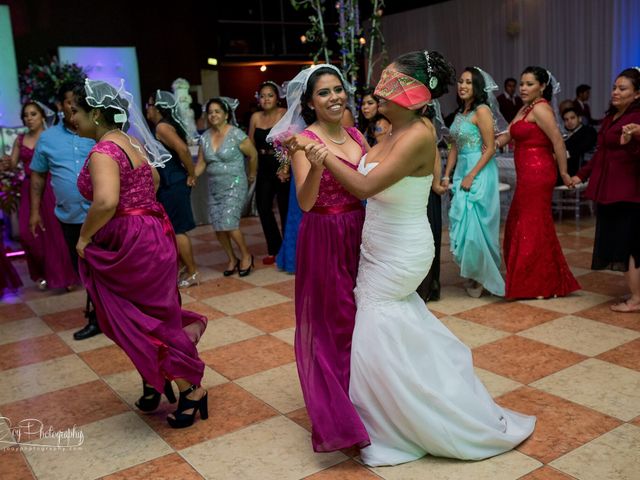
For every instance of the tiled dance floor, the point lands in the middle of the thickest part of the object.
(571, 362)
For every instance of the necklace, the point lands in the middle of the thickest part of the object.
(337, 142)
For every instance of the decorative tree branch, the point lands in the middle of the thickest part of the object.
(316, 33)
(376, 33)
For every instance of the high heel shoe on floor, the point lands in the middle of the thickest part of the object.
(150, 399)
(183, 420)
(189, 281)
(476, 291)
(246, 271)
(228, 273)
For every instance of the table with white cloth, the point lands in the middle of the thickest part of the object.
(506, 169)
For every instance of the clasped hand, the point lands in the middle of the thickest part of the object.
(316, 154)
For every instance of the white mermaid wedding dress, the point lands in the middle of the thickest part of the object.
(412, 380)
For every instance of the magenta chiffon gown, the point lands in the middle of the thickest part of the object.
(47, 253)
(130, 271)
(327, 257)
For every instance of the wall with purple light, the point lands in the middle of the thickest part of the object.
(109, 64)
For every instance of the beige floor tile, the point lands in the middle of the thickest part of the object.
(266, 276)
(286, 335)
(78, 346)
(575, 302)
(37, 378)
(6, 438)
(599, 385)
(207, 273)
(580, 335)
(613, 456)
(255, 229)
(245, 300)
(577, 271)
(455, 299)
(472, 334)
(22, 329)
(186, 299)
(496, 384)
(509, 466)
(225, 331)
(208, 259)
(254, 240)
(59, 303)
(278, 387)
(211, 378)
(276, 449)
(588, 232)
(109, 445)
(128, 385)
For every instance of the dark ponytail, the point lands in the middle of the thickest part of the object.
(542, 76)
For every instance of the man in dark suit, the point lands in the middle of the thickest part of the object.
(579, 140)
(509, 102)
(583, 92)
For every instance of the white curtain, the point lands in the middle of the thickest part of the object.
(571, 38)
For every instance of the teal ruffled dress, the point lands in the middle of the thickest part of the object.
(474, 217)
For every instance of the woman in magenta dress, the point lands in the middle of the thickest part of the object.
(536, 267)
(129, 255)
(47, 256)
(328, 251)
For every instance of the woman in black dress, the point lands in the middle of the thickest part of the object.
(271, 182)
(176, 179)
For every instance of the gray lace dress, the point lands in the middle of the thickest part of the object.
(227, 179)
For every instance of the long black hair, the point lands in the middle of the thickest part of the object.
(167, 115)
(108, 113)
(542, 76)
(415, 65)
(309, 115)
(480, 96)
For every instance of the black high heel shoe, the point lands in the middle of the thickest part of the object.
(150, 399)
(183, 420)
(228, 273)
(246, 271)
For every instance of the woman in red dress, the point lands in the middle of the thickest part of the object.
(536, 267)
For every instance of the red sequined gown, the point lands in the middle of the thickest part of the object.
(536, 266)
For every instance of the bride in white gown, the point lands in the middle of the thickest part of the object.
(412, 380)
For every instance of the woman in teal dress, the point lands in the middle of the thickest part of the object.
(474, 217)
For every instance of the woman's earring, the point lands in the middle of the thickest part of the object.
(96, 122)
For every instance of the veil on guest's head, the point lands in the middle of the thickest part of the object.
(500, 125)
(292, 122)
(129, 118)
